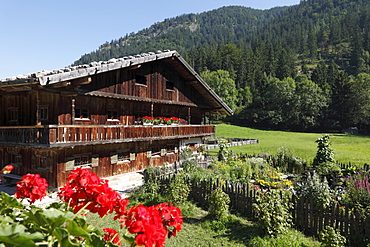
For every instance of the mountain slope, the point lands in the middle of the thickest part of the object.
(226, 24)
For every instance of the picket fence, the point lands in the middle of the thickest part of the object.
(307, 217)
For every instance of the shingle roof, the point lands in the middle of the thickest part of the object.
(69, 73)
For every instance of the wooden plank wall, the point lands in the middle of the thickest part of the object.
(156, 74)
(106, 169)
(24, 103)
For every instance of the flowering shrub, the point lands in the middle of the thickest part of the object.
(311, 186)
(63, 224)
(357, 192)
(32, 186)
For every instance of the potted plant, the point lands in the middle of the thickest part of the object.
(148, 120)
(175, 120)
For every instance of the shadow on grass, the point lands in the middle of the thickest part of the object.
(241, 232)
(234, 228)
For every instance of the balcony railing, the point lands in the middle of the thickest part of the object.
(58, 135)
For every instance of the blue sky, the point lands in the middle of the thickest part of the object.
(51, 34)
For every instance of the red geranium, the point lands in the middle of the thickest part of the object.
(147, 224)
(84, 189)
(32, 187)
(153, 224)
(111, 235)
(7, 169)
(171, 218)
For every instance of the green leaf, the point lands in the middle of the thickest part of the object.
(62, 236)
(76, 230)
(6, 219)
(16, 235)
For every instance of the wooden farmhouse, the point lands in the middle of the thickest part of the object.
(91, 116)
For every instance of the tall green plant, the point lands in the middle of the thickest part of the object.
(177, 190)
(331, 238)
(218, 204)
(273, 211)
(324, 159)
(311, 186)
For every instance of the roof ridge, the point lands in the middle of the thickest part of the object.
(123, 60)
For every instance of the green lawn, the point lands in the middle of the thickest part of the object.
(347, 148)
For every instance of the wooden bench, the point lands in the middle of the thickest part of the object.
(11, 178)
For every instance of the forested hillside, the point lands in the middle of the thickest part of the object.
(304, 67)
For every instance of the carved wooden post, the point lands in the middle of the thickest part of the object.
(189, 117)
(73, 111)
(38, 121)
(152, 110)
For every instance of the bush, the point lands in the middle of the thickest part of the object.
(177, 190)
(311, 186)
(324, 156)
(218, 204)
(287, 162)
(331, 238)
(273, 211)
(358, 192)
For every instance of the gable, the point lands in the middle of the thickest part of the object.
(193, 85)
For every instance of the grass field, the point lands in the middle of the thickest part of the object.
(347, 148)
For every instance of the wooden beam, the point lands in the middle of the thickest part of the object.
(62, 84)
(82, 81)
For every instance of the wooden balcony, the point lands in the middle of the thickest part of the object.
(72, 135)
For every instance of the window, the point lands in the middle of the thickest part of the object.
(171, 148)
(81, 113)
(82, 159)
(124, 155)
(44, 113)
(43, 163)
(112, 114)
(13, 114)
(140, 79)
(170, 85)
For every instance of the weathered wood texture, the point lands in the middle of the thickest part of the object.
(51, 163)
(149, 81)
(81, 135)
(91, 119)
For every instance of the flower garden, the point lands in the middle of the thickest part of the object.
(239, 200)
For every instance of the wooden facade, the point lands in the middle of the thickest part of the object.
(90, 116)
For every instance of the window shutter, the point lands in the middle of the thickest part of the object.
(113, 158)
(95, 160)
(70, 163)
(132, 156)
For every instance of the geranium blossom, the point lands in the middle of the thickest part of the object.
(32, 187)
(153, 224)
(146, 222)
(171, 218)
(84, 189)
(111, 235)
(7, 169)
